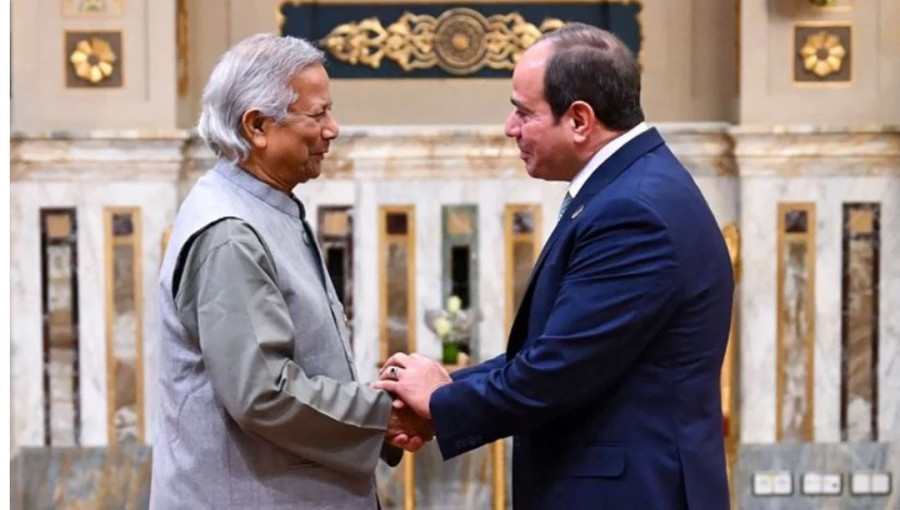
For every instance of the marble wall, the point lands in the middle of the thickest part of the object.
(827, 168)
(744, 173)
(87, 172)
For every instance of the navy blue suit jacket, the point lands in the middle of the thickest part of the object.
(610, 382)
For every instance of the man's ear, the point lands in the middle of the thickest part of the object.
(581, 120)
(253, 127)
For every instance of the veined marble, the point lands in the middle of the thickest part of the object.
(743, 171)
(827, 167)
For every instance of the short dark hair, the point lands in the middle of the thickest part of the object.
(592, 65)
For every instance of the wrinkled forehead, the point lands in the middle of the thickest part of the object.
(311, 85)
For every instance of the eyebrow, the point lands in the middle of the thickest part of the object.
(518, 105)
(320, 108)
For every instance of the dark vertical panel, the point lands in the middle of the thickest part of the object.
(460, 265)
(336, 239)
(859, 321)
(397, 260)
(59, 306)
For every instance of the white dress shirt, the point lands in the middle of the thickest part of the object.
(602, 155)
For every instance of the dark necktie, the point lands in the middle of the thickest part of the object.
(565, 205)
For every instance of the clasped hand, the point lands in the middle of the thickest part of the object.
(411, 379)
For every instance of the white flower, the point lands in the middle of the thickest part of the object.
(442, 327)
(454, 304)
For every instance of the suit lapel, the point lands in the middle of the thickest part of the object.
(607, 172)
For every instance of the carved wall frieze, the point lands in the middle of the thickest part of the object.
(460, 41)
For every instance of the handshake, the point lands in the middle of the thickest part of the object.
(411, 379)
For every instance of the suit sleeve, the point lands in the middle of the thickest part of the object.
(481, 368)
(229, 300)
(616, 294)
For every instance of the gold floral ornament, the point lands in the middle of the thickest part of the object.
(93, 60)
(823, 54)
(460, 41)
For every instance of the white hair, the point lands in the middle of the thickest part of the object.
(255, 74)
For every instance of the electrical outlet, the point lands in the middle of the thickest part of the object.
(860, 483)
(831, 484)
(762, 484)
(812, 484)
(881, 483)
(782, 483)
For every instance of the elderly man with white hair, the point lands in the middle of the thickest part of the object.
(259, 403)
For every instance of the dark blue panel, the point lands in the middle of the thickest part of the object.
(315, 21)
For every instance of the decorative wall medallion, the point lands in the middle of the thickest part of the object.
(104, 8)
(460, 41)
(822, 53)
(93, 59)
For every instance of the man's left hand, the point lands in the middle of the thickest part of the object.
(413, 378)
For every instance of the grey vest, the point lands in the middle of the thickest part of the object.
(201, 458)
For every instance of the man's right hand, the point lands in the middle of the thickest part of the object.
(408, 430)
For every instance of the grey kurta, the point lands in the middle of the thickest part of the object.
(259, 403)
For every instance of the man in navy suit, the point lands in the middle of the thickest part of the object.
(610, 381)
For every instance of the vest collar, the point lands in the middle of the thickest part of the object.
(276, 198)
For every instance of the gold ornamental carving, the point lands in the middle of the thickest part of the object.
(460, 41)
(92, 8)
(733, 242)
(93, 60)
(823, 53)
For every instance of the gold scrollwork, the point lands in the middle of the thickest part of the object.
(460, 41)
(182, 38)
(93, 60)
(733, 243)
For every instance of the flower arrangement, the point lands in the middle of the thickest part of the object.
(454, 327)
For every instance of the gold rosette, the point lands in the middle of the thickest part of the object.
(93, 60)
(823, 54)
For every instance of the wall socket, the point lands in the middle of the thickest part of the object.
(772, 483)
(871, 483)
(821, 484)
(862, 483)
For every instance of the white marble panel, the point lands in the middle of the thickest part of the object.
(759, 199)
(757, 310)
(365, 282)
(888, 191)
(157, 201)
(723, 196)
(26, 354)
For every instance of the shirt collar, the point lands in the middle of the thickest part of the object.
(289, 205)
(602, 155)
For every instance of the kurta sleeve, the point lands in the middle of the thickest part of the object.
(228, 299)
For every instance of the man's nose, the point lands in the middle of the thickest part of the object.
(331, 129)
(511, 127)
